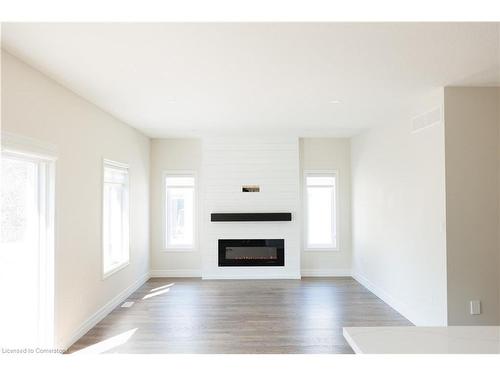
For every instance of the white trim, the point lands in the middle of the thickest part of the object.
(102, 312)
(117, 164)
(325, 272)
(179, 249)
(176, 273)
(115, 269)
(351, 342)
(401, 308)
(251, 277)
(327, 249)
(20, 144)
(336, 210)
(47, 176)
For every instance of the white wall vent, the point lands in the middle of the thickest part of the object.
(426, 120)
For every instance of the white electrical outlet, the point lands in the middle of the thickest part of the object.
(475, 307)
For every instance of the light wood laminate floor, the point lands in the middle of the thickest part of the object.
(239, 316)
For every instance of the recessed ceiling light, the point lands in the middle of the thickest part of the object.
(334, 101)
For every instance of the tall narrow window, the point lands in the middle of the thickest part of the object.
(179, 211)
(321, 225)
(115, 239)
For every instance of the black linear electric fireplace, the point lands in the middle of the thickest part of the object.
(234, 253)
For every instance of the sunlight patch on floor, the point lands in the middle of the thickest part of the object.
(108, 344)
(162, 287)
(154, 294)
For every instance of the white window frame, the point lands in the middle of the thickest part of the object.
(125, 263)
(179, 248)
(45, 156)
(335, 210)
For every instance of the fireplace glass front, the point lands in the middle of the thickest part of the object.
(251, 252)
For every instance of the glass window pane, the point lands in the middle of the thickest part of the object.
(115, 175)
(116, 224)
(19, 210)
(320, 215)
(180, 216)
(115, 218)
(20, 246)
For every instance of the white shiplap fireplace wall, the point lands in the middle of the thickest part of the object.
(271, 163)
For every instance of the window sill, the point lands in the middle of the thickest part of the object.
(179, 250)
(117, 268)
(323, 249)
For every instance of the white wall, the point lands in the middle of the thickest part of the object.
(271, 163)
(171, 154)
(472, 191)
(398, 200)
(329, 154)
(35, 106)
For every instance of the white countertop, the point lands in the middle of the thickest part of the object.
(424, 340)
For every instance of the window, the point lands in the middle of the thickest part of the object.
(320, 199)
(115, 239)
(179, 210)
(27, 247)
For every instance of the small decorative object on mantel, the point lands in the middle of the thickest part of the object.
(250, 188)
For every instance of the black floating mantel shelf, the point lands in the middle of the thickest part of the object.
(251, 216)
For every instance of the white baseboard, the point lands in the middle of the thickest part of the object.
(103, 312)
(251, 277)
(384, 296)
(325, 272)
(176, 273)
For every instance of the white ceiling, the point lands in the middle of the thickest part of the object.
(176, 80)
